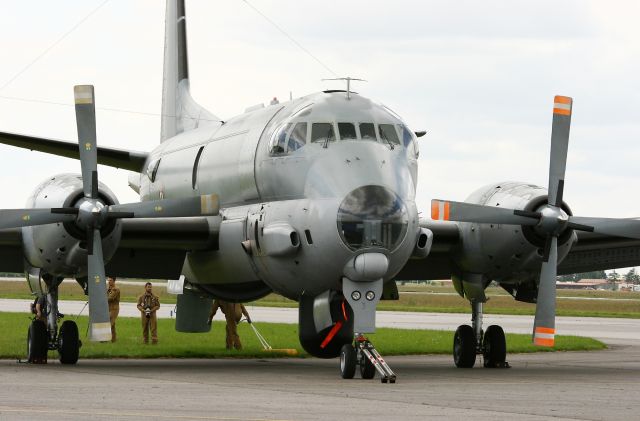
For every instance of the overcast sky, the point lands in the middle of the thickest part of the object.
(478, 76)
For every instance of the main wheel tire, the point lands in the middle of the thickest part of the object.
(37, 342)
(367, 369)
(494, 347)
(69, 342)
(347, 361)
(464, 347)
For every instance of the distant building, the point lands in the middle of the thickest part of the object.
(602, 284)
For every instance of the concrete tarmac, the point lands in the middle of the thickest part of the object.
(578, 385)
(600, 385)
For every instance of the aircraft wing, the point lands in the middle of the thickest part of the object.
(599, 252)
(439, 264)
(11, 256)
(149, 249)
(591, 252)
(128, 160)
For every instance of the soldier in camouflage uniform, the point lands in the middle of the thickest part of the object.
(148, 304)
(113, 297)
(232, 313)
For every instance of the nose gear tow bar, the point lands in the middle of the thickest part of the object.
(369, 356)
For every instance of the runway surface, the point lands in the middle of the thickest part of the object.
(599, 385)
(591, 386)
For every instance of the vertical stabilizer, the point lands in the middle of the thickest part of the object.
(179, 111)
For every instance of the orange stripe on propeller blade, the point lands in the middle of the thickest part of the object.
(545, 330)
(544, 342)
(435, 210)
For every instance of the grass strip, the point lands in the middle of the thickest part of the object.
(173, 344)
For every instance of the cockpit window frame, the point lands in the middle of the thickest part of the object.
(355, 131)
(306, 137)
(287, 126)
(334, 129)
(403, 129)
(375, 131)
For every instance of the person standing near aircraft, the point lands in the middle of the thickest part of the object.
(233, 313)
(113, 297)
(40, 308)
(148, 304)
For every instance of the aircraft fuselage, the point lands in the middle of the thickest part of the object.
(337, 174)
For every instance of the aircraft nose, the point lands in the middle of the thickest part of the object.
(372, 216)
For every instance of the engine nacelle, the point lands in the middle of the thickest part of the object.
(60, 249)
(508, 253)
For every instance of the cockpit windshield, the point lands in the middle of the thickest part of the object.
(331, 120)
(290, 137)
(322, 133)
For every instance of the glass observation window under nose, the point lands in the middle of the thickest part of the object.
(372, 216)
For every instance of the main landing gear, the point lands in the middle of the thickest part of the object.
(364, 355)
(470, 341)
(66, 342)
(43, 336)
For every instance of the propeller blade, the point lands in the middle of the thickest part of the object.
(544, 326)
(618, 227)
(183, 207)
(99, 324)
(559, 145)
(14, 218)
(86, 122)
(469, 212)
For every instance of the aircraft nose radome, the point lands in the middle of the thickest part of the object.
(372, 216)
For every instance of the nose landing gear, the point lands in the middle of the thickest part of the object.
(364, 355)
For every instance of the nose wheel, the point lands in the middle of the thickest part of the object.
(364, 355)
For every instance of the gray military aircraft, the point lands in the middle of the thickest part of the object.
(313, 199)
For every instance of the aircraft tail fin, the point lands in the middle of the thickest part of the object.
(179, 111)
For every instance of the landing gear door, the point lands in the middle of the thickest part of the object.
(255, 225)
(34, 281)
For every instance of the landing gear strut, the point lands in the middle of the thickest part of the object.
(470, 341)
(43, 335)
(364, 355)
(363, 296)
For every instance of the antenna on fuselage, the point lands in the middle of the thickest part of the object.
(348, 79)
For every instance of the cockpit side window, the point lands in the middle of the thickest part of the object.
(322, 132)
(408, 140)
(368, 132)
(278, 140)
(347, 131)
(298, 137)
(388, 133)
